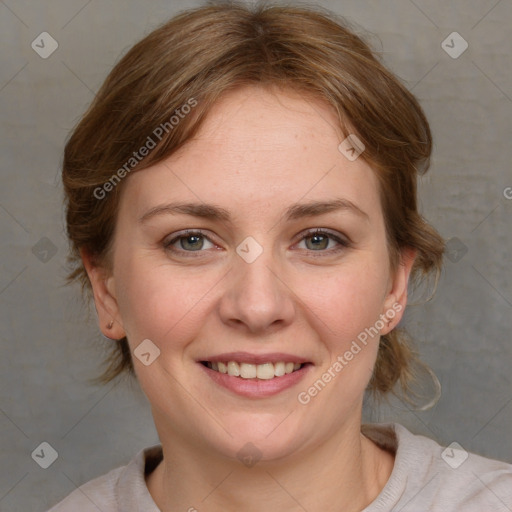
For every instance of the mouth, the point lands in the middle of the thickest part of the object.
(255, 376)
(251, 371)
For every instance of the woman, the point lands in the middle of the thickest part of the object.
(241, 202)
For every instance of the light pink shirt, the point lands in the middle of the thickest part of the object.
(425, 477)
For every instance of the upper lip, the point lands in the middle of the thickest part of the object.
(246, 357)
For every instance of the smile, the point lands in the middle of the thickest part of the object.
(265, 371)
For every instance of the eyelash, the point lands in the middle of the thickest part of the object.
(343, 244)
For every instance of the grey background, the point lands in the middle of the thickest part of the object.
(48, 346)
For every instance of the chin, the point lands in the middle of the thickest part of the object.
(263, 436)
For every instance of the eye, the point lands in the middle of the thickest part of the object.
(320, 240)
(189, 241)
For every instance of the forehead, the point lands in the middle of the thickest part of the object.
(268, 111)
(258, 146)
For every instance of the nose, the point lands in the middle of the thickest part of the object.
(257, 297)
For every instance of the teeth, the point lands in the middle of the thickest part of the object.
(265, 371)
(248, 371)
(233, 369)
(279, 369)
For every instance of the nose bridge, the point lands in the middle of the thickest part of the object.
(256, 295)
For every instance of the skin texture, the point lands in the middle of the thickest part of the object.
(258, 152)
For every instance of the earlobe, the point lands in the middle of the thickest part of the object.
(104, 298)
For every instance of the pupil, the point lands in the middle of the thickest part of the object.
(318, 238)
(191, 237)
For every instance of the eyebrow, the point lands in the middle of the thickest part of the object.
(214, 212)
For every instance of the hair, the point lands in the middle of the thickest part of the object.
(205, 52)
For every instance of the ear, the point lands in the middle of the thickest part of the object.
(396, 298)
(104, 298)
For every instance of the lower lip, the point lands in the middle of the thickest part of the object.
(257, 388)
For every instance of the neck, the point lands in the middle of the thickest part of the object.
(345, 473)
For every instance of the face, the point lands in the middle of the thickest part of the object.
(253, 274)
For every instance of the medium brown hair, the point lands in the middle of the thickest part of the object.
(201, 54)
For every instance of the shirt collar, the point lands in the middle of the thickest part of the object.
(132, 493)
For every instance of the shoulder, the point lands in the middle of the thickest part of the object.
(123, 488)
(97, 494)
(428, 476)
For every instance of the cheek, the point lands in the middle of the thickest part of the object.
(160, 302)
(346, 310)
(345, 302)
